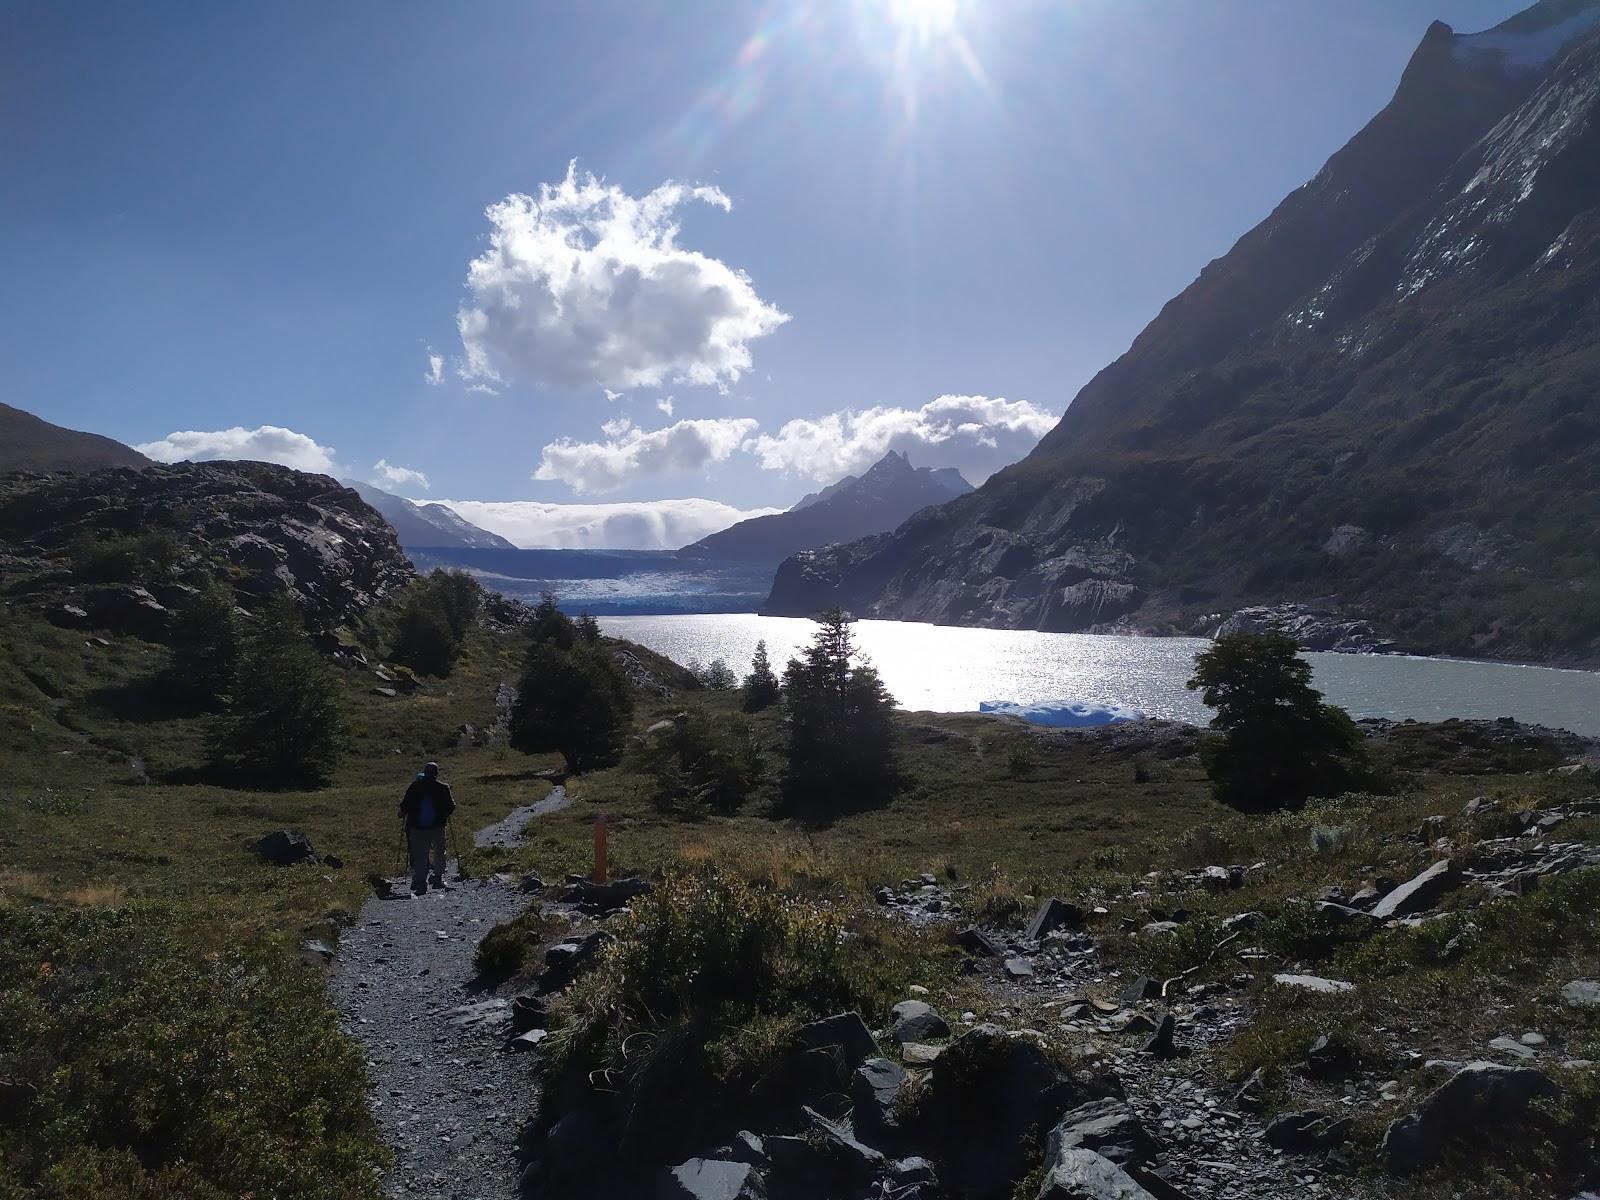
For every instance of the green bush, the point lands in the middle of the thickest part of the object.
(549, 626)
(706, 978)
(841, 727)
(123, 558)
(423, 639)
(701, 765)
(284, 724)
(572, 701)
(433, 624)
(139, 1065)
(504, 950)
(205, 643)
(1281, 744)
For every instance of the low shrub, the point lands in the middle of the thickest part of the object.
(139, 1065)
(706, 980)
(504, 950)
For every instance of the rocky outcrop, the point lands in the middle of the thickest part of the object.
(264, 529)
(1313, 628)
(1383, 395)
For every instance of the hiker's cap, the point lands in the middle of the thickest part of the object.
(430, 769)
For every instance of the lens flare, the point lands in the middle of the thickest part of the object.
(925, 20)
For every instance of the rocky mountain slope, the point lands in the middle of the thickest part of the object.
(29, 443)
(1385, 399)
(427, 525)
(117, 549)
(873, 502)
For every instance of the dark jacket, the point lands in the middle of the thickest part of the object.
(443, 803)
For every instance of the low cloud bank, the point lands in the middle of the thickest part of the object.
(643, 525)
(265, 443)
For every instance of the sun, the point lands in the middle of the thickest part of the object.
(924, 20)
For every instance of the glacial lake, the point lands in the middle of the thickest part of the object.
(945, 669)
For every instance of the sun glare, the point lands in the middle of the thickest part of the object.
(924, 19)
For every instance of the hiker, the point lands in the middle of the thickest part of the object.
(426, 811)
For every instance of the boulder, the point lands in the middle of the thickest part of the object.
(1477, 1097)
(1019, 968)
(975, 941)
(568, 959)
(984, 1093)
(1344, 914)
(1584, 993)
(1053, 914)
(528, 1012)
(1243, 922)
(747, 1148)
(1307, 1132)
(286, 847)
(1313, 983)
(874, 1088)
(127, 609)
(711, 1179)
(844, 1035)
(1077, 1174)
(602, 898)
(1141, 989)
(1107, 1126)
(840, 1149)
(903, 1172)
(916, 1021)
(1160, 1043)
(1420, 893)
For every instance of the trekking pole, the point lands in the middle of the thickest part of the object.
(461, 867)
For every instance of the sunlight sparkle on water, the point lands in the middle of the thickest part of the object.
(952, 670)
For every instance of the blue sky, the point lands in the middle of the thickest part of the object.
(222, 216)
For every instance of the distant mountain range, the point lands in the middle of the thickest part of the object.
(423, 525)
(858, 505)
(30, 443)
(1384, 399)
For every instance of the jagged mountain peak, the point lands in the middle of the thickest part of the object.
(875, 501)
(427, 525)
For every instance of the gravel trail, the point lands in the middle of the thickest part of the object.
(449, 1097)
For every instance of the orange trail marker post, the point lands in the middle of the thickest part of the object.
(600, 848)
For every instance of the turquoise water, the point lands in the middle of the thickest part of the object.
(945, 669)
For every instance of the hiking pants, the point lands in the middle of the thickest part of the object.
(425, 845)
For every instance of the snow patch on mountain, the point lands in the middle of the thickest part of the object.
(1527, 51)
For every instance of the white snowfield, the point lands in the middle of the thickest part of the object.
(1528, 51)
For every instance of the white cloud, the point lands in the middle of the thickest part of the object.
(628, 454)
(398, 476)
(665, 405)
(612, 396)
(585, 286)
(975, 434)
(266, 443)
(435, 371)
(646, 525)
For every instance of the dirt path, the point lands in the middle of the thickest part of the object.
(449, 1097)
